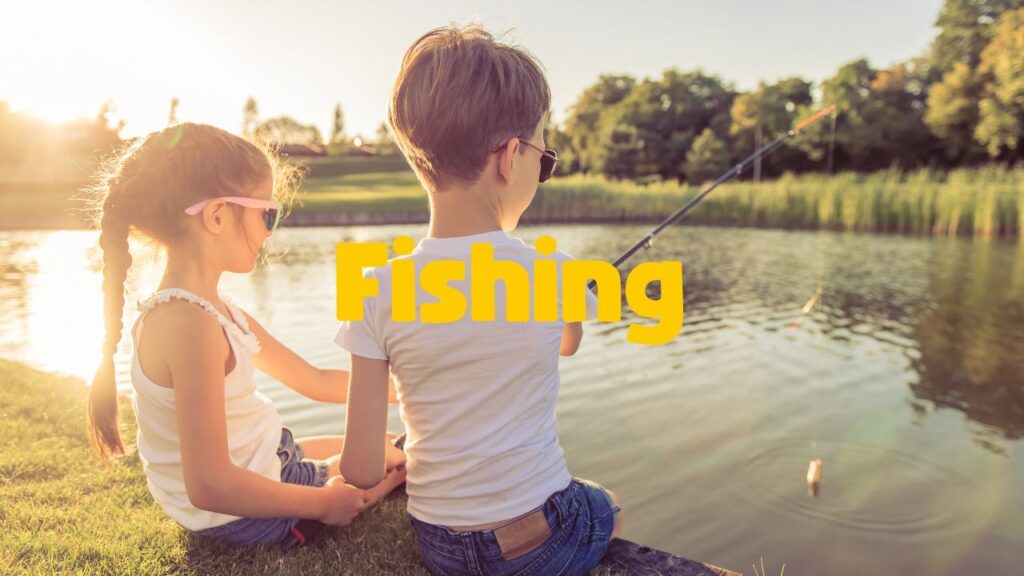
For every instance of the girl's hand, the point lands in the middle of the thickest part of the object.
(394, 457)
(343, 502)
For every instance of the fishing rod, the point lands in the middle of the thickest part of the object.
(736, 170)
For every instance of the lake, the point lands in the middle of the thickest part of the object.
(906, 377)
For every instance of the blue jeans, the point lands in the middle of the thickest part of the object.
(295, 469)
(581, 518)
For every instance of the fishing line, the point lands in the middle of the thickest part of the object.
(814, 471)
(733, 172)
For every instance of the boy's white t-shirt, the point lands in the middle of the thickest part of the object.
(477, 398)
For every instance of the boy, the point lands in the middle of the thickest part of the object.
(489, 491)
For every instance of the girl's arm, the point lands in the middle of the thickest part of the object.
(572, 335)
(287, 367)
(194, 351)
(362, 457)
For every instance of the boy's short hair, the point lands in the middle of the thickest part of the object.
(459, 95)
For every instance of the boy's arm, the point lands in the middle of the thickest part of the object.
(362, 457)
(572, 335)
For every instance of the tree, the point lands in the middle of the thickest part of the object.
(250, 117)
(581, 127)
(554, 137)
(1001, 123)
(965, 29)
(656, 123)
(952, 112)
(771, 108)
(618, 151)
(285, 130)
(338, 128)
(172, 116)
(708, 158)
(106, 132)
(880, 120)
(385, 143)
(954, 82)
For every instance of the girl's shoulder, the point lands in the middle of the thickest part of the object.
(177, 310)
(174, 330)
(177, 296)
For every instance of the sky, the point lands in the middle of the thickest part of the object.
(61, 60)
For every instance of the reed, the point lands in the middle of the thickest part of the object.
(985, 202)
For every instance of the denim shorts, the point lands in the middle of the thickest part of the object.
(581, 518)
(295, 469)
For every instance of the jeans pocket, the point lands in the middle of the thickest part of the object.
(547, 558)
(436, 565)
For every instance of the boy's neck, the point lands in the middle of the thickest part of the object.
(463, 212)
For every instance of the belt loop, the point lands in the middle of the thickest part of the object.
(560, 500)
(469, 546)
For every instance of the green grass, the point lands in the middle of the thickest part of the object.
(985, 202)
(61, 512)
(334, 166)
(385, 191)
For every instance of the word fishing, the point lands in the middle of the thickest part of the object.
(485, 272)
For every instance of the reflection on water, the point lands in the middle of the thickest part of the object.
(974, 337)
(906, 378)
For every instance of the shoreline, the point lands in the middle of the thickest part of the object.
(984, 202)
(327, 219)
(64, 512)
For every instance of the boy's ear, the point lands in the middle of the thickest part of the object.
(506, 159)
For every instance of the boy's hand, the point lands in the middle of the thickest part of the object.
(572, 335)
(343, 502)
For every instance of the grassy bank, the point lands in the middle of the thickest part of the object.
(985, 202)
(61, 512)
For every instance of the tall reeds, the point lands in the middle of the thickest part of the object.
(986, 201)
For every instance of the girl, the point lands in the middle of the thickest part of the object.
(213, 449)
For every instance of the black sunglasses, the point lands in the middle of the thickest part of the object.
(271, 218)
(548, 159)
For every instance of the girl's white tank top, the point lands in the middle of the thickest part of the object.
(253, 425)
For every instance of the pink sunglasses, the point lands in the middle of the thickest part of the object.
(271, 209)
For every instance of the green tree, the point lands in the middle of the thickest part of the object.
(554, 137)
(285, 130)
(250, 117)
(338, 127)
(581, 126)
(772, 109)
(965, 27)
(664, 117)
(1001, 123)
(385, 143)
(708, 158)
(172, 115)
(619, 150)
(952, 112)
(880, 120)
